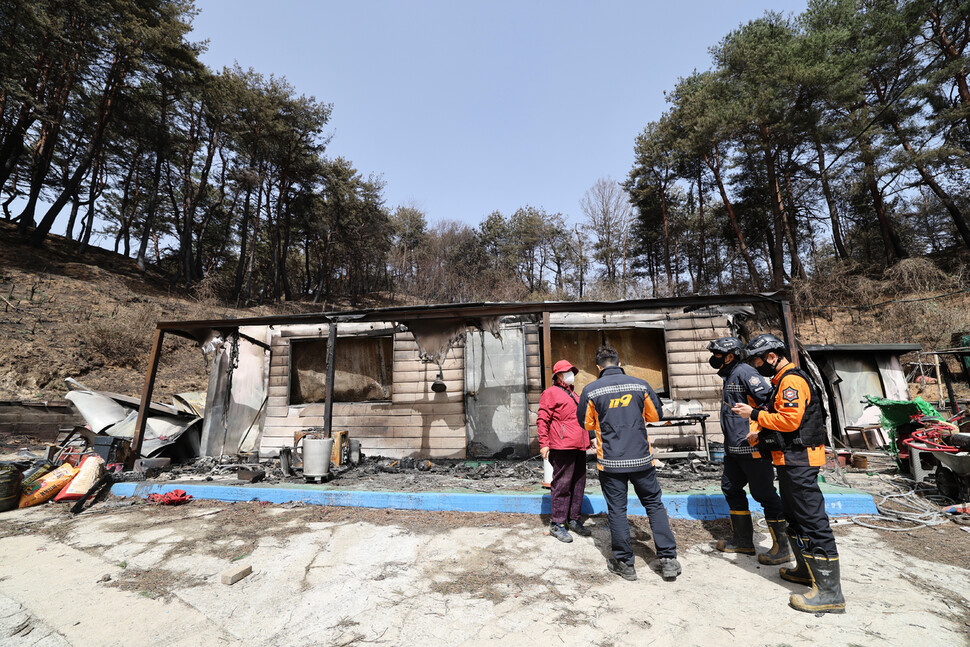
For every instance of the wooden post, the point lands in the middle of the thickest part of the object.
(789, 331)
(546, 352)
(146, 399)
(939, 381)
(331, 359)
(948, 380)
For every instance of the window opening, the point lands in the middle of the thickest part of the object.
(643, 353)
(363, 370)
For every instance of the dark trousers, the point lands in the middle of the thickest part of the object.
(568, 483)
(647, 487)
(805, 508)
(759, 475)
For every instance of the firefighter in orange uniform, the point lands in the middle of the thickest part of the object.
(743, 464)
(793, 429)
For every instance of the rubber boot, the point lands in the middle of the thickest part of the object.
(826, 594)
(743, 539)
(779, 553)
(800, 574)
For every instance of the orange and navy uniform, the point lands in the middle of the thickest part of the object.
(791, 400)
(742, 383)
(615, 408)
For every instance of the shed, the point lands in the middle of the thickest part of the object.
(853, 371)
(453, 380)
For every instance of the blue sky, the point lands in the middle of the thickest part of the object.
(466, 108)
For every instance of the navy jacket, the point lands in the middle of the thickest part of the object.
(616, 408)
(742, 383)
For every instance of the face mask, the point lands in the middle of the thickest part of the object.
(569, 377)
(766, 369)
(716, 362)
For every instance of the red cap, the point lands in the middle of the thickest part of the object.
(562, 366)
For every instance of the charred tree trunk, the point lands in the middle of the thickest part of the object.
(116, 76)
(777, 212)
(715, 166)
(891, 243)
(243, 234)
(833, 208)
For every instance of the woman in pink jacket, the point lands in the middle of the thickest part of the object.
(564, 443)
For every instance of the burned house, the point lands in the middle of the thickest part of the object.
(455, 381)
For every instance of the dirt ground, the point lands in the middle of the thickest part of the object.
(90, 318)
(125, 572)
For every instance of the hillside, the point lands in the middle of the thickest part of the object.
(88, 317)
(91, 317)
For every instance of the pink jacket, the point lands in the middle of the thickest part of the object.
(558, 426)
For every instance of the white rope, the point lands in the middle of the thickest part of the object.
(919, 511)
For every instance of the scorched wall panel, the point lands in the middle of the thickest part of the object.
(416, 421)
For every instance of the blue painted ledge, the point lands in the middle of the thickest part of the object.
(700, 506)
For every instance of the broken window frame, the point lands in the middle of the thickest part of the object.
(385, 335)
(605, 329)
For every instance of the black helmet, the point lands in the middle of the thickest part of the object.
(762, 344)
(726, 345)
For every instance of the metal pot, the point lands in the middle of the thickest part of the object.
(316, 457)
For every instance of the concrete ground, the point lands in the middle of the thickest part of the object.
(129, 573)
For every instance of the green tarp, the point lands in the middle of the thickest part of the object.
(900, 412)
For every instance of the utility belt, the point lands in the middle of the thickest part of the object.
(744, 450)
(770, 440)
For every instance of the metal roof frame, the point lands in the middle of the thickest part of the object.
(472, 311)
(898, 349)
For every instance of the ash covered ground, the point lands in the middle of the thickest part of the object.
(417, 475)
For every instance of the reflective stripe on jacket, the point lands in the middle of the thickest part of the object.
(616, 408)
(742, 383)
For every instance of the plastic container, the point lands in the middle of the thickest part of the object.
(717, 452)
(546, 473)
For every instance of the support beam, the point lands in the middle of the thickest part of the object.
(948, 381)
(939, 381)
(331, 359)
(146, 398)
(546, 352)
(254, 342)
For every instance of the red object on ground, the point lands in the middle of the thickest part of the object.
(175, 497)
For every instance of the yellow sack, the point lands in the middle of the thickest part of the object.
(48, 486)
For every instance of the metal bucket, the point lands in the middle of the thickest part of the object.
(316, 457)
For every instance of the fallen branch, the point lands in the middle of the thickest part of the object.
(11, 305)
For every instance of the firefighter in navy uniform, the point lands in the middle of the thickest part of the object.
(615, 408)
(793, 428)
(743, 464)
